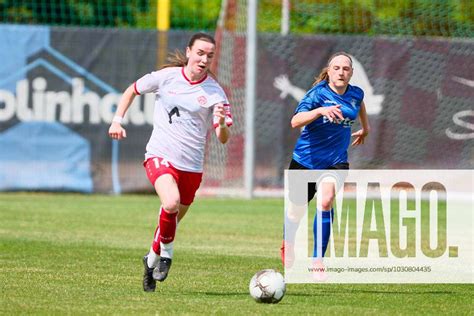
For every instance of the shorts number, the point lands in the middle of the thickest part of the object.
(157, 163)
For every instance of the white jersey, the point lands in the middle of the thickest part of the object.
(182, 115)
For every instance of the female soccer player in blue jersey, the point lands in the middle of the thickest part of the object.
(325, 114)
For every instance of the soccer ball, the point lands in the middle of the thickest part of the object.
(267, 286)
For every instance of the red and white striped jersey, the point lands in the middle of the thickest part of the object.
(182, 115)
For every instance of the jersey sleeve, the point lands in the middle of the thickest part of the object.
(361, 95)
(309, 102)
(148, 83)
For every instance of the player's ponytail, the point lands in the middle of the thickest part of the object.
(323, 76)
(176, 59)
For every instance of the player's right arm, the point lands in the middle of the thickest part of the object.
(304, 118)
(116, 131)
(309, 110)
(146, 84)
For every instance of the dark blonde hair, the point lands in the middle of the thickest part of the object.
(178, 59)
(323, 75)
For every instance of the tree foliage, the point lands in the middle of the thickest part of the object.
(394, 17)
(106, 13)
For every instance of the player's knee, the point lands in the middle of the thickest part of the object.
(326, 202)
(171, 205)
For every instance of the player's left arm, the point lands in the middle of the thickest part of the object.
(222, 121)
(361, 134)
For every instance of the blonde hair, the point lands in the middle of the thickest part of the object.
(323, 75)
(178, 59)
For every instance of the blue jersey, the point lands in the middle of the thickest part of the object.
(323, 144)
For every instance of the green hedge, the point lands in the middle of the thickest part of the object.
(394, 17)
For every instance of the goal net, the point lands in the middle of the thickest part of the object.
(413, 59)
(224, 167)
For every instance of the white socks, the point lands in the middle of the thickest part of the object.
(152, 259)
(166, 250)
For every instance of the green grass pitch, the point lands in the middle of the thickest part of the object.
(81, 254)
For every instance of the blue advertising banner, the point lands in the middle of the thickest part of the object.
(59, 87)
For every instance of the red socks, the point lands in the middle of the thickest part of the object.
(165, 231)
(156, 241)
(168, 223)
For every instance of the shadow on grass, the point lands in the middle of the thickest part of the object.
(300, 294)
(330, 289)
(401, 292)
(222, 293)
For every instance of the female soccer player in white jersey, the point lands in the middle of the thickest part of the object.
(187, 97)
(326, 113)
